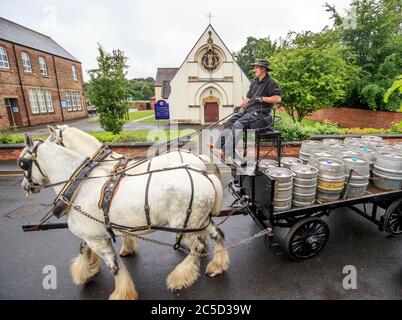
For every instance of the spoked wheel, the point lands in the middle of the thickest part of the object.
(393, 218)
(307, 238)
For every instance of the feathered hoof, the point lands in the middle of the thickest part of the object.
(182, 277)
(124, 295)
(218, 265)
(83, 270)
(129, 247)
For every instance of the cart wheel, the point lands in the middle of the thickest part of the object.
(307, 238)
(393, 218)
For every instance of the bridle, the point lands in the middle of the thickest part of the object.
(60, 137)
(27, 164)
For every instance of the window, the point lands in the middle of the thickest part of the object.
(78, 98)
(49, 102)
(42, 66)
(73, 99)
(4, 58)
(26, 62)
(33, 100)
(75, 74)
(68, 99)
(40, 100)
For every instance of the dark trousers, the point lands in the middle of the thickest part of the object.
(235, 126)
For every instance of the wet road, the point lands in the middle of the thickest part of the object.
(255, 273)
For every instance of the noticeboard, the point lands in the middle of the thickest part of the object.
(162, 110)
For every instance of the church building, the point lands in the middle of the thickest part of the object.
(207, 85)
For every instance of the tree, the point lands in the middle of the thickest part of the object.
(371, 29)
(396, 87)
(253, 50)
(142, 89)
(312, 71)
(108, 89)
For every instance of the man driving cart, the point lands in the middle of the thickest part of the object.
(263, 93)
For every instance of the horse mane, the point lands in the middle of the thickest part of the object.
(83, 135)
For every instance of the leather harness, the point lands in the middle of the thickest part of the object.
(70, 189)
(63, 201)
(109, 188)
(111, 185)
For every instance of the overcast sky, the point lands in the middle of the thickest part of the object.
(160, 33)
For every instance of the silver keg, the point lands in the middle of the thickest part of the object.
(387, 172)
(349, 140)
(397, 146)
(320, 154)
(329, 141)
(307, 147)
(287, 162)
(265, 164)
(368, 153)
(331, 179)
(357, 174)
(283, 187)
(304, 184)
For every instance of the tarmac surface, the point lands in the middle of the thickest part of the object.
(255, 272)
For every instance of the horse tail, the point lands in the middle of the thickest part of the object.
(216, 182)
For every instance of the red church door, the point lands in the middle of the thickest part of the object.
(211, 112)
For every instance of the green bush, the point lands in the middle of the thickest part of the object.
(11, 138)
(297, 131)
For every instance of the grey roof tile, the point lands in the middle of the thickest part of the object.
(165, 74)
(13, 32)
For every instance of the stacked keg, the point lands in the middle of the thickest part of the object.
(397, 146)
(350, 140)
(357, 174)
(330, 142)
(368, 153)
(387, 172)
(287, 162)
(283, 188)
(350, 153)
(307, 147)
(331, 179)
(372, 140)
(386, 149)
(320, 154)
(265, 164)
(304, 185)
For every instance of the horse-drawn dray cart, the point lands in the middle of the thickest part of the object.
(253, 192)
(87, 176)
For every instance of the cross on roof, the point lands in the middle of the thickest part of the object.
(209, 16)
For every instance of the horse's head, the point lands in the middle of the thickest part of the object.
(56, 134)
(34, 177)
(74, 139)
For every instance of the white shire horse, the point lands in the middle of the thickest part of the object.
(86, 145)
(169, 197)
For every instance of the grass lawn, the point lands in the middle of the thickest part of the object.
(135, 115)
(141, 135)
(285, 117)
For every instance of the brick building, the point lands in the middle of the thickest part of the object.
(40, 82)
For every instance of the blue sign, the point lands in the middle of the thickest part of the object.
(162, 110)
(15, 109)
(63, 103)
